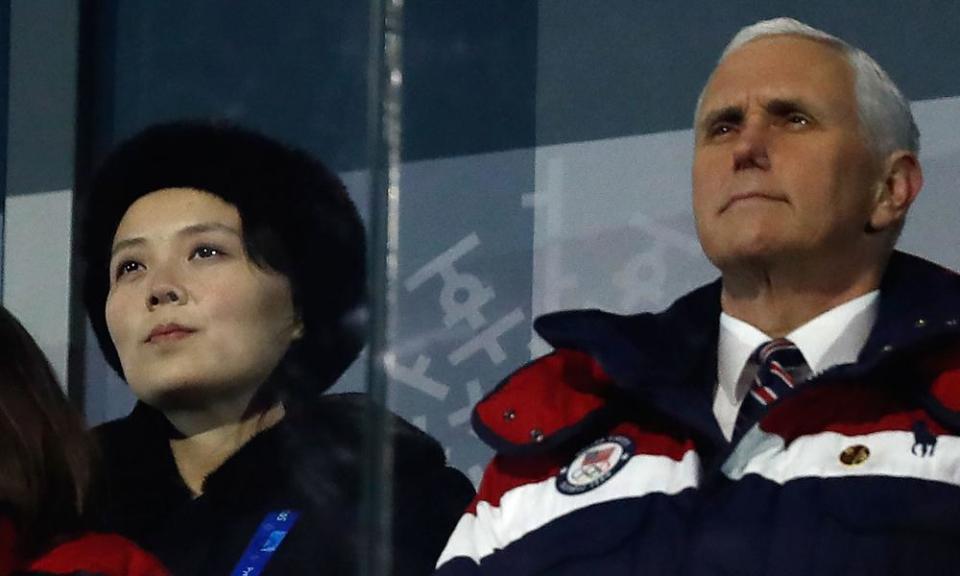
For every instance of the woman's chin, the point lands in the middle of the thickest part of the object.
(175, 396)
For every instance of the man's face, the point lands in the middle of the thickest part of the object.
(781, 170)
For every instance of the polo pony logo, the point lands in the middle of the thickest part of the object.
(924, 441)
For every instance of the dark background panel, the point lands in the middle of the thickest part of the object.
(298, 70)
(293, 69)
(39, 66)
(624, 67)
(470, 80)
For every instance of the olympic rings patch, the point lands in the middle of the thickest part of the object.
(594, 465)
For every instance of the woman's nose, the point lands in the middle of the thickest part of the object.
(166, 291)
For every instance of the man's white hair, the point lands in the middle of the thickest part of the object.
(884, 113)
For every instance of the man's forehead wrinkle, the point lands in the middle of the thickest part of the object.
(738, 101)
(744, 93)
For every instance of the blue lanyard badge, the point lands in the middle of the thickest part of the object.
(265, 542)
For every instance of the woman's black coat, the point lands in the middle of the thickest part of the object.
(310, 462)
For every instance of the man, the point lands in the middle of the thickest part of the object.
(799, 415)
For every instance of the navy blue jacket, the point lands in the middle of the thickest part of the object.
(610, 461)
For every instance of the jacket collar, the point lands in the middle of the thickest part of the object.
(919, 300)
(668, 359)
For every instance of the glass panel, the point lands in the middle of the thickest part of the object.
(295, 71)
(5, 83)
(547, 154)
(509, 158)
(547, 158)
(466, 222)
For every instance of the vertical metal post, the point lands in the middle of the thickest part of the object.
(385, 81)
(5, 33)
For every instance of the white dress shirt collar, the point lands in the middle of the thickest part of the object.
(832, 338)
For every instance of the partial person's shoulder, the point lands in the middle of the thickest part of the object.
(345, 417)
(98, 554)
(135, 447)
(116, 429)
(337, 424)
(421, 524)
(142, 420)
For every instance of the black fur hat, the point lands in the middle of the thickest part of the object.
(297, 220)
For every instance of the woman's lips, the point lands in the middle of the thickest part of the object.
(169, 333)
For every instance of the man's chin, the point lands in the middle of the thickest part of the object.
(749, 255)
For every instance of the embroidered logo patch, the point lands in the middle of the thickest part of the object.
(594, 465)
(924, 441)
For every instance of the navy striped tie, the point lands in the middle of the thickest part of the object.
(781, 366)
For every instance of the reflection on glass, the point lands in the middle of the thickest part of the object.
(224, 275)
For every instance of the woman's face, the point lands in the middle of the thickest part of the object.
(194, 320)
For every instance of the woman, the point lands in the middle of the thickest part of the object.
(45, 466)
(224, 276)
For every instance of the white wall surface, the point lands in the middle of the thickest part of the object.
(36, 275)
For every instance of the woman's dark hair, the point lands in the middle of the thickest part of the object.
(297, 220)
(46, 456)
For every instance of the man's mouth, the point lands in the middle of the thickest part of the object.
(750, 196)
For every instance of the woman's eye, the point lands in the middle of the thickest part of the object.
(204, 252)
(126, 267)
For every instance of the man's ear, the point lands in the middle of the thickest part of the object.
(901, 183)
(298, 330)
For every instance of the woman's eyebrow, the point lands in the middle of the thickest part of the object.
(191, 230)
(126, 243)
(202, 227)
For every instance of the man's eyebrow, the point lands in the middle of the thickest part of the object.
(725, 114)
(191, 230)
(781, 106)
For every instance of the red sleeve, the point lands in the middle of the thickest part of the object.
(107, 554)
(8, 544)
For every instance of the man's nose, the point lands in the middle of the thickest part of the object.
(751, 149)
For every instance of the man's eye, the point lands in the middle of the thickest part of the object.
(798, 120)
(720, 129)
(204, 252)
(126, 267)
